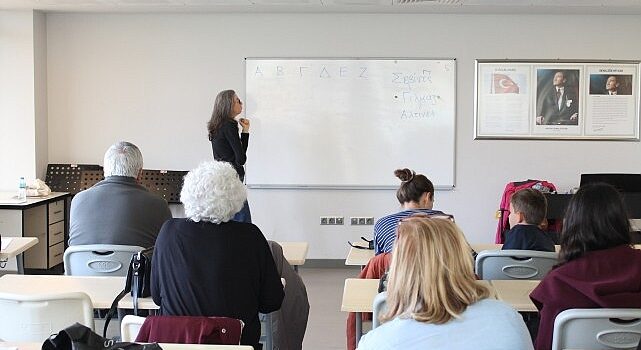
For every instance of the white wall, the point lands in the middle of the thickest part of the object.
(40, 93)
(151, 79)
(17, 143)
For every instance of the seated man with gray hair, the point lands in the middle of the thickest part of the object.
(118, 210)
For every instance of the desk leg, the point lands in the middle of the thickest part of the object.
(20, 263)
(296, 268)
(359, 327)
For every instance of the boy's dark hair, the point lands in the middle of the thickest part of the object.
(531, 203)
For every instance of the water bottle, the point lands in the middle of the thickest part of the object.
(22, 190)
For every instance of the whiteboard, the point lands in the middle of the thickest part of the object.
(349, 123)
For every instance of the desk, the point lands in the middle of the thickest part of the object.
(101, 290)
(16, 249)
(359, 257)
(40, 217)
(478, 247)
(516, 293)
(359, 294)
(38, 346)
(295, 252)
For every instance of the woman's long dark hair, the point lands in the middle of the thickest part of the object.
(222, 111)
(596, 218)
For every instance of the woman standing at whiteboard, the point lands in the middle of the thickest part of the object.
(226, 145)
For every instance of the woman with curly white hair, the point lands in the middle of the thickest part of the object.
(208, 265)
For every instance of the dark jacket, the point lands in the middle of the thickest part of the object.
(607, 278)
(528, 237)
(228, 147)
(552, 114)
(207, 269)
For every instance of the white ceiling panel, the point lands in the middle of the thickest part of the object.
(337, 6)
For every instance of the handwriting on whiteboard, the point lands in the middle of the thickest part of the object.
(322, 72)
(415, 93)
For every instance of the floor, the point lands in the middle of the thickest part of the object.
(326, 324)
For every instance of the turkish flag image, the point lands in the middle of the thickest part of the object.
(503, 84)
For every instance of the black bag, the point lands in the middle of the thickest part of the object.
(138, 283)
(382, 282)
(370, 244)
(80, 337)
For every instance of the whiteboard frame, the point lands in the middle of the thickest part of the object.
(365, 187)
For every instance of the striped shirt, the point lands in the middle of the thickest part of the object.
(385, 228)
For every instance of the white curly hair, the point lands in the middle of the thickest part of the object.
(212, 192)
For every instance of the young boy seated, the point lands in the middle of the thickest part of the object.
(527, 211)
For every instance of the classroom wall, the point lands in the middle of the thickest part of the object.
(151, 79)
(17, 96)
(40, 93)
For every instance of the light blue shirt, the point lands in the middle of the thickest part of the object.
(486, 325)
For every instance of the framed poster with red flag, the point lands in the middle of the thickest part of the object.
(574, 100)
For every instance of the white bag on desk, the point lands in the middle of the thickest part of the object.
(38, 188)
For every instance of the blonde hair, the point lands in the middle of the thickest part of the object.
(431, 275)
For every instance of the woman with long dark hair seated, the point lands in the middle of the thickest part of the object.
(598, 266)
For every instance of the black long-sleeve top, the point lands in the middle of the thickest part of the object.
(228, 147)
(207, 269)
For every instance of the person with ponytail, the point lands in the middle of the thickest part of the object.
(416, 196)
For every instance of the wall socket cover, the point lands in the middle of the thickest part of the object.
(332, 220)
(361, 220)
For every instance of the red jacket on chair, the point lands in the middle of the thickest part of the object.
(191, 330)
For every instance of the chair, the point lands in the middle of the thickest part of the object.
(33, 318)
(98, 259)
(592, 329)
(129, 327)
(378, 306)
(514, 264)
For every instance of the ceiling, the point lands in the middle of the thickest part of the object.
(620, 7)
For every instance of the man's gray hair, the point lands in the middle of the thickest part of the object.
(123, 159)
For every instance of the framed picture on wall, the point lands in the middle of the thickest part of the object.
(573, 100)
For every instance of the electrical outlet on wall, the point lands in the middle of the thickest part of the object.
(332, 220)
(361, 220)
